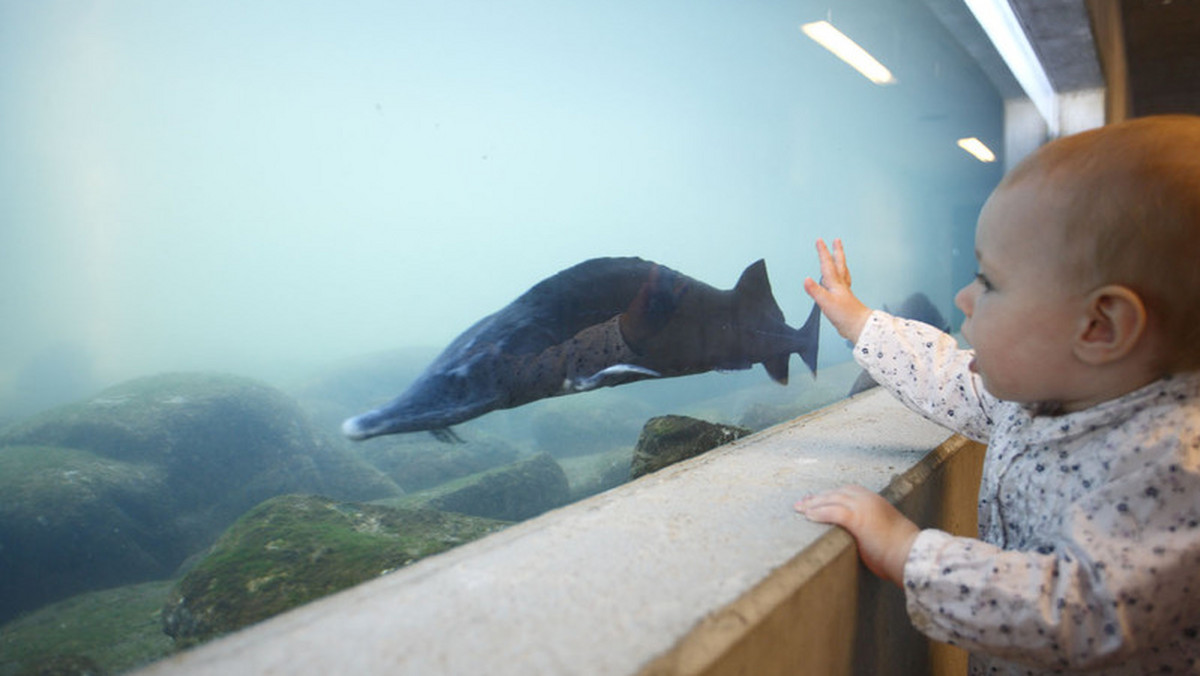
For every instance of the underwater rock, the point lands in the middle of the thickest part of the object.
(109, 631)
(225, 443)
(419, 462)
(296, 548)
(64, 665)
(571, 427)
(668, 439)
(125, 485)
(71, 520)
(514, 493)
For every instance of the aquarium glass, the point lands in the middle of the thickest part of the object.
(226, 227)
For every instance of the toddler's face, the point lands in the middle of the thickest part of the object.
(1021, 315)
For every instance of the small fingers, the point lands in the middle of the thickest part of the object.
(825, 259)
(829, 507)
(819, 293)
(833, 264)
(839, 261)
(842, 498)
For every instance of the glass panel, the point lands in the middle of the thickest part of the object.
(316, 199)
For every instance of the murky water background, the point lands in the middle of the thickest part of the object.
(320, 196)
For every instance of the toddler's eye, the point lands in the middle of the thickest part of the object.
(983, 281)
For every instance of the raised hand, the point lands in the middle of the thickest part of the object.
(843, 309)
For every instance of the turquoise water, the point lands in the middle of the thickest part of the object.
(260, 188)
(321, 196)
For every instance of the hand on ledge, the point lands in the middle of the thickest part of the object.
(883, 534)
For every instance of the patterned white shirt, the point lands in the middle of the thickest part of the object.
(1089, 522)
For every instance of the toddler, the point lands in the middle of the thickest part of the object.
(1084, 379)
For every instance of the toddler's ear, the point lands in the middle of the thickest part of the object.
(1114, 324)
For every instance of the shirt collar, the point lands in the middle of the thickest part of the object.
(1171, 390)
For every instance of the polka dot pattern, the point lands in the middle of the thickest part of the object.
(1089, 522)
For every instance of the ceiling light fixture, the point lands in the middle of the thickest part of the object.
(848, 50)
(977, 148)
(1004, 30)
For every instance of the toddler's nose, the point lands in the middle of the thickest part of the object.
(965, 299)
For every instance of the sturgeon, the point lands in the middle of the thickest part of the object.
(601, 323)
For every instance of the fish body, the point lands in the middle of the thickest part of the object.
(601, 323)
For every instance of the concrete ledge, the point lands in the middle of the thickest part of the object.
(700, 568)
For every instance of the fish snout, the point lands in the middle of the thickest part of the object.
(355, 430)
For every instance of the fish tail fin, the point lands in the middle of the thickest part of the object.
(754, 287)
(807, 340)
(809, 337)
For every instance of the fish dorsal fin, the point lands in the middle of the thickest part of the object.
(753, 290)
(777, 368)
(754, 281)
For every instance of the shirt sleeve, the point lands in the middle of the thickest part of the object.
(1121, 580)
(924, 367)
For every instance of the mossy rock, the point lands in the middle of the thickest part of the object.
(64, 665)
(71, 521)
(296, 548)
(669, 439)
(109, 631)
(225, 443)
(515, 492)
(122, 487)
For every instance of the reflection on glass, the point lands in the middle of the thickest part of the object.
(848, 50)
(977, 149)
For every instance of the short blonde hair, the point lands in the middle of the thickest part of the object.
(1132, 212)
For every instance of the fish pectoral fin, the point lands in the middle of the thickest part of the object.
(777, 368)
(617, 374)
(446, 435)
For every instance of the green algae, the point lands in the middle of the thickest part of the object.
(297, 548)
(117, 629)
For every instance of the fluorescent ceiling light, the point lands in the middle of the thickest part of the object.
(1004, 30)
(847, 50)
(977, 148)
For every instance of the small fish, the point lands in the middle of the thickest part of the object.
(601, 323)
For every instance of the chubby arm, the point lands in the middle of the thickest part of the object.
(884, 535)
(919, 364)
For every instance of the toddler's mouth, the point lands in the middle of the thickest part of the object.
(973, 367)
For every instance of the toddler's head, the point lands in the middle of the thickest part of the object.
(1129, 214)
